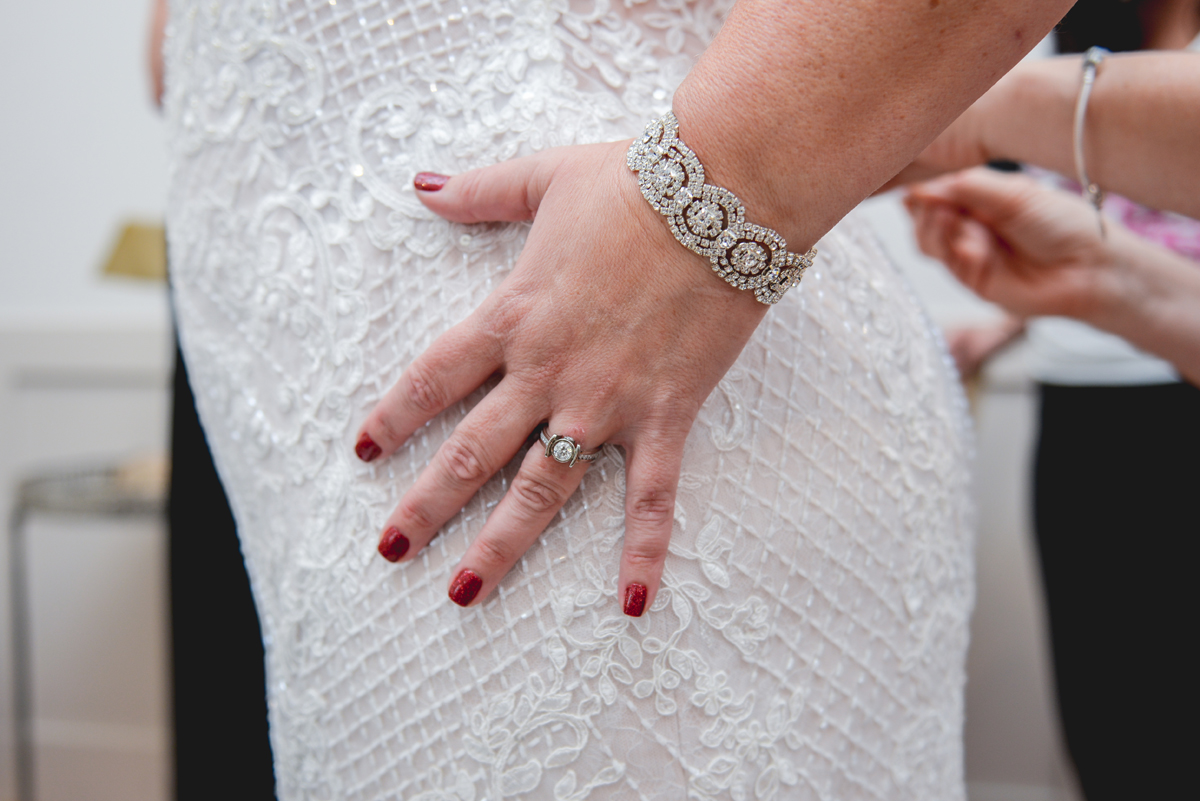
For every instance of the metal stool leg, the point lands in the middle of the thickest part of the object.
(100, 492)
(22, 676)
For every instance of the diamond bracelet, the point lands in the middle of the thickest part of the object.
(709, 220)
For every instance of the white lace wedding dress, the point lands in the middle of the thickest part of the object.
(809, 638)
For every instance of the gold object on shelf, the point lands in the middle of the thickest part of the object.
(140, 252)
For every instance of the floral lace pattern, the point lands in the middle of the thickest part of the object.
(809, 637)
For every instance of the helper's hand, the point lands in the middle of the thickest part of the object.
(971, 348)
(607, 328)
(1033, 250)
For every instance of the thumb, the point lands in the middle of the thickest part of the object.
(506, 192)
(987, 195)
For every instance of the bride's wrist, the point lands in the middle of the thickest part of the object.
(741, 158)
(679, 270)
(710, 220)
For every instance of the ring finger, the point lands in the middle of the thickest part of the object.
(487, 438)
(538, 492)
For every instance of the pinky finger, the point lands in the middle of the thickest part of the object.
(651, 483)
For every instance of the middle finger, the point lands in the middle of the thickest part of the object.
(538, 492)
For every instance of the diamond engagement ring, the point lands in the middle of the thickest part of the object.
(565, 450)
(709, 220)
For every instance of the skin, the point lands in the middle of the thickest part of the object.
(1037, 251)
(156, 33)
(1170, 24)
(972, 347)
(1140, 135)
(612, 331)
(1141, 138)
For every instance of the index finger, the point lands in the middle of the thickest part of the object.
(457, 363)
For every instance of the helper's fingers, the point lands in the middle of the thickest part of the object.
(536, 495)
(454, 366)
(948, 235)
(973, 251)
(929, 226)
(506, 192)
(482, 443)
(652, 477)
(986, 194)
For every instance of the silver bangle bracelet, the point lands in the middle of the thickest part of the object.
(709, 220)
(1091, 191)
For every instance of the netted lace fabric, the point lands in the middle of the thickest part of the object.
(809, 638)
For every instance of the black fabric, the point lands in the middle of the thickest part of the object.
(221, 745)
(1116, 478)
(1117, 25)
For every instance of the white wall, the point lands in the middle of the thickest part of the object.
(80, 150)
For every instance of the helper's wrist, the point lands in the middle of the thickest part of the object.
(1152, 302)
(989, 118)
(1123, 290)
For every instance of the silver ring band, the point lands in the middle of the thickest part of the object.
(565, 450)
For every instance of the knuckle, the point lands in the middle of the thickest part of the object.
(651, 506)
(417, 517)
(507, 310)
(645, 552)
(672, 417)
(471, 193)
(389, 432)
(495, 551)
(536, 494)
(461, 456)
(425, 392)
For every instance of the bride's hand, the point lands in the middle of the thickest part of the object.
(607, 328)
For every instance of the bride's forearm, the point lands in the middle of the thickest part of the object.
(1143, 126)
(804, 107)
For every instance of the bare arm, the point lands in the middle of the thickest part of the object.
(805, 108)
(1142, 133)
(154, 49)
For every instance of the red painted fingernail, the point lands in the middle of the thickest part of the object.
(367, 449)
(465, 587)
(394, 545)
(635, 600)
(430, 181)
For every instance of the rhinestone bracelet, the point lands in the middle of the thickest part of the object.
(709, 220)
